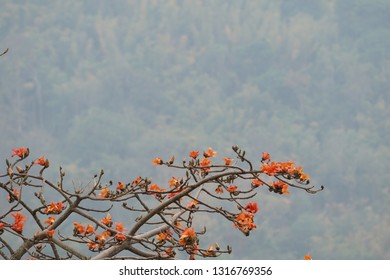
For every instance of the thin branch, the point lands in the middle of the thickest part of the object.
(4, 52)
(6, 245)
(68, 249)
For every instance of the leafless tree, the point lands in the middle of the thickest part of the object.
(43, 219)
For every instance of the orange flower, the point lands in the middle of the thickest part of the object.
(22, 152)
(280, 187)
(119, 227)
(92, 246)
(120, 187)
(270, 169)
(209, 153)
(228, 161)
(78, 228)
(307, 257)
(173, 182)
(194, 154)
(188, 232)
(2, 225)
(257, 183)
(188, 237)
(89, 230)
(137, 181)
(232, 189)
(107, 220)
(288, 168)
(155, 188)
(303, 177)
(157, 161)
(19, 222)
(219, 189)
(164, 235)
(54, 208)
(50, 221)
(99, 238)
(161, 236)
(102, 238)
(42, 161)
(18, 217)
(252, 207)
(265, 157)
(205, 163)
(178, 224)
(192, 204)
(104, 193)
(244, 221)
(50, 233)
(210, 252)
(120, 237)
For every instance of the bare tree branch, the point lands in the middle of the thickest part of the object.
(3, 53)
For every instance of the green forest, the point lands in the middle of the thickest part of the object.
(114, 84)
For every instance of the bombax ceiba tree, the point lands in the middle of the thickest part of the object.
(45, 219)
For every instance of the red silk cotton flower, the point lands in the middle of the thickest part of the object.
(22, 152)
(252, 207)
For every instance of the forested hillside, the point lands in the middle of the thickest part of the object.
(113, 84)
